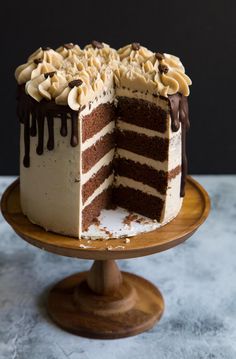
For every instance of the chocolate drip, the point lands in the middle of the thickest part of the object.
(180, 114)
(50, 121)
(30, 111)
(74, 129)
(33, 128)
(40, 120)
(26, 160)
(63, 130)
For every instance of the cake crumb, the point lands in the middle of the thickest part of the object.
(83, 246)
(129, 218)
(127, 240)
(96, 222)
(141, 220)
(105, 230)
(119, 247)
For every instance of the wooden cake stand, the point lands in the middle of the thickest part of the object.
(105, 303)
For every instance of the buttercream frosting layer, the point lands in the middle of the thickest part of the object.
(73, 76)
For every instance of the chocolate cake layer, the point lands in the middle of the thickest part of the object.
(152, 147)
(96, 180)
(93, 210)
(142, 113)
(94, 153)
(137, 201)
(145, 174)
(97, 119)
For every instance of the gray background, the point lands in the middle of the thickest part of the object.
(201, 33)
(197, 279)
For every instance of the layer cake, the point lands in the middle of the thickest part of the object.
(101, 127)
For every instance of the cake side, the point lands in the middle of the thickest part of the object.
(50, 187)
(102, 125)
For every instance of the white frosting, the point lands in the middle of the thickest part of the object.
(156, 73)
(107, 183)
(53, 201)
(157, 165)
(125, 126)
(107, 98)
(105, 74)
(50, 56)
(174, 152)
(121, 91)
(172, 199)
(109, 128)
(80, 219)
(105, 160)
(129, 182)
(101, 69)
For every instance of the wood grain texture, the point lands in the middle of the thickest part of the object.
(104, 277)
(104, 303)
(133, 308)
(195, 209)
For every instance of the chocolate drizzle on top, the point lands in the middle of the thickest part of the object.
(97, 44)
(135, 46)
(46, 48)
(34, 114)
(180, 114)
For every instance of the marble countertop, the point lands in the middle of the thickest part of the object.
(197, 279)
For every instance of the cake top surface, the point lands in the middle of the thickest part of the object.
(73, 76)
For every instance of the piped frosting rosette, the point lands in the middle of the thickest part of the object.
(41, 61)
(163, 74)
(102, 51)
(47, 86)
(69, 49)
(32, 69)
(134, 53)
(75, 77)
(170, 73)
(48, 55)
(86, 88)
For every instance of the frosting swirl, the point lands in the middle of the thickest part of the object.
(48, 86)
(73, 76)
(69, 49)
(48, 55)
(31, 70)
(134, 53)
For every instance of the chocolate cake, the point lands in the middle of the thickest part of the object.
(101, 127)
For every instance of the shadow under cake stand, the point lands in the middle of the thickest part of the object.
(104, 302)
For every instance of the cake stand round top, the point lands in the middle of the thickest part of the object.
(195, 209)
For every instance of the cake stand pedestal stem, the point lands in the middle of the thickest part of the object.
(104, 277)
(103, 302)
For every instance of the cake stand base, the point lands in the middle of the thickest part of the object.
(105, 303)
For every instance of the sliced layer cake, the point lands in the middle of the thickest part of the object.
(101, 127)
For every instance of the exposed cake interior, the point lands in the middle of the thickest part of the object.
(98, 149)
(108, 128)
